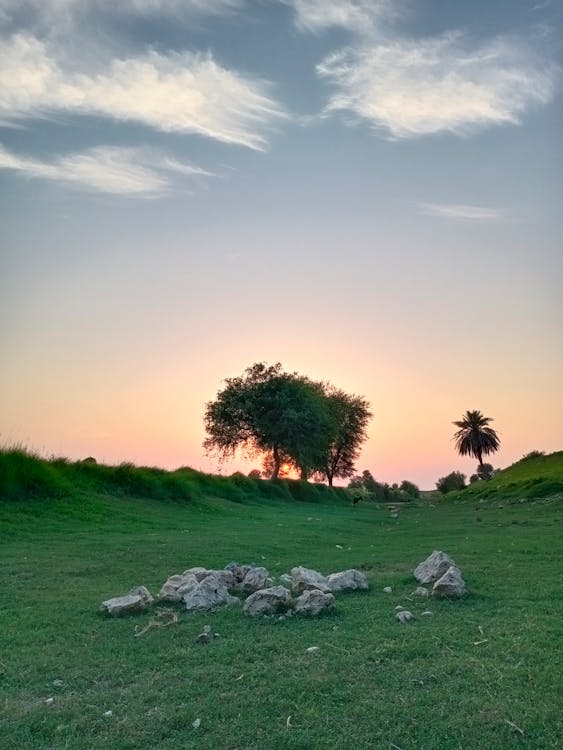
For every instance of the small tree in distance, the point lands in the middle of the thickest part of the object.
(451, 482)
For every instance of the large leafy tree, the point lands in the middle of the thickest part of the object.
(474, 437)
(350, 416)
(268, 411)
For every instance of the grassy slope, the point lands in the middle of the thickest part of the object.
(529, 478)
(372, 684)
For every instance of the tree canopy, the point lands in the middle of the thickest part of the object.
(474, 437)
(287, 418)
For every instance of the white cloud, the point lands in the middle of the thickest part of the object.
(359, 16)
(175, 92)
(120, 171)
(467, 213)
(412, 88)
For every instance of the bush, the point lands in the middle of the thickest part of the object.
(485, 471)
(451, 482)
(532, 454)
(409, 489)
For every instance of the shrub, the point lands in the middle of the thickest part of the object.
(409, 489)
(451, 482)
(485, 471)
(532, 454)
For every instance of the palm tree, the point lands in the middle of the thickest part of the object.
(474, 437)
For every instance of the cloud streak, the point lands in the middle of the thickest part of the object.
(119, 171)
(176, 92)
(460, 212)
(410, 88)
(360, 16)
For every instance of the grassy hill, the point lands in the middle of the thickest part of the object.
(533, 477)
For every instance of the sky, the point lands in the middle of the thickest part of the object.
(367, 191)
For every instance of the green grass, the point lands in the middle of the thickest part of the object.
(372, 684)
(528, 479)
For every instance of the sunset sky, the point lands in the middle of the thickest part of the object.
(368, 191)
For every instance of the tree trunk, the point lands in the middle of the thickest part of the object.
(303, 474)
(329, 477)
(277, 463)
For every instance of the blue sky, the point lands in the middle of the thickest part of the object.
(366, 190)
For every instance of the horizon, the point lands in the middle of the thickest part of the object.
(367, 192)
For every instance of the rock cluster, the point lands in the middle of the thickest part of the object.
(440, 570)
(200, 589)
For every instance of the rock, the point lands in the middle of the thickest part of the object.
(314, 602)
(198, 572)
(286, 578)
(226, 576)
(267, 601)
(404, 616)
(387, 590)
(304, 579)
(136, 600)
(433, 567)
(451, 585)
(206, 636)
(176, 586)
(347, 580)
(238, 571)
(255, 579)
(312, 649)
(427, 613)
(420, 591)
(209, 593)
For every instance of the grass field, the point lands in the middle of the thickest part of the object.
(480, 674)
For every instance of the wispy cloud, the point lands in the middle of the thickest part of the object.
(175, 92)
(360, 16)
(120, 171)
(461, 212)
(412, 88)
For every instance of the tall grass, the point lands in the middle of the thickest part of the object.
(25, 475)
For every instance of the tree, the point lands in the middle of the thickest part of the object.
(451, 482)
(350, 415)
(266, 410)
(475, 437)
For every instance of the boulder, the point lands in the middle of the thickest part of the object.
(451, 585)
(305, 579)
(314, 602)
(433, 567)
(136, 600)
(238, 571)
(267, 601)
(209, 593)
(347, 580)
(198, 572)
(254, 580)
(176, 586)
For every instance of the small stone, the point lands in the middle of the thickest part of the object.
(136, 600)
(49, 701)
(398, 607)
(387, 590)
(427, 613)
(196, 723)
(404, 616)
(312, 649)
(420, 591)
(58, 683)
(108, 713)
(267, 601)
(285, 578)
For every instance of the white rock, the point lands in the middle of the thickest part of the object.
(49, 701)
(312, 649)
(286, 578)
(347, 580)
(305, 579)
(209, 593)
(433, 567)
(387, 590)
(314, 602)
(255, 579)
(404, 616)
(176, 586)
(451, 585)
(136, 600)
(427, 613)
(196, 723)
(267, 601)
(198, 572)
